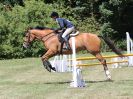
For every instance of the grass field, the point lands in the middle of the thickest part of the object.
(27, 79)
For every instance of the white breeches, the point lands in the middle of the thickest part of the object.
(68, 31)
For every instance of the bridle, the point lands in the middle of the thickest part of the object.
(28, 37)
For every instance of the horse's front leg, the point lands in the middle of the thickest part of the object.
(45, 61)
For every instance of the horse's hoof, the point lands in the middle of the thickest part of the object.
(53, 68)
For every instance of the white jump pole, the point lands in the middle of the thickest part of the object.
(129, 49)
(76, 73)
(128, 43)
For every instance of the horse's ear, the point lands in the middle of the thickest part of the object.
(27, 29)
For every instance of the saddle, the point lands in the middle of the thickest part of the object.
(61, 40)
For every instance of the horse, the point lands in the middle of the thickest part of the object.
(84, 41)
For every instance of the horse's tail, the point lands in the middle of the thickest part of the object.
(110, 43)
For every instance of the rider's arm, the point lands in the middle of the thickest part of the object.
(61, 23)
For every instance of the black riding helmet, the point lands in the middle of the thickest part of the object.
(54, 14)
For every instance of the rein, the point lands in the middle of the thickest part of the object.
(47, 35)
(41, 38)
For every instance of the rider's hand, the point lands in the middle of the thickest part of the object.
(58, 31)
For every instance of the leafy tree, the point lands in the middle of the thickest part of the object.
(108, 17)
(12, 2)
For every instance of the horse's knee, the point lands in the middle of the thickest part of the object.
(48, 54)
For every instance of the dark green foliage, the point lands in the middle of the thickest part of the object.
(12, 2)
(108, 17)
(15, 22)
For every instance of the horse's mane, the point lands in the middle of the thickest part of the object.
(41, 28)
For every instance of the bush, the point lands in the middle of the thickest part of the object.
(14, 24)
(109, 18)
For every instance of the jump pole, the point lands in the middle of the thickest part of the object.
(77, 80)
(129, 49)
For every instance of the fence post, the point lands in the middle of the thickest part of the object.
(129, 49)
(76, 73)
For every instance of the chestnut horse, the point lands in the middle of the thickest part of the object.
(84, 41)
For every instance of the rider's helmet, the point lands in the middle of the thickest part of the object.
(54, 14)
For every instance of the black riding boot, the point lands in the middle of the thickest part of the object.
(67, 43)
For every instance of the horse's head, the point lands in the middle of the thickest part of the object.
(29, 37)
(39, 33)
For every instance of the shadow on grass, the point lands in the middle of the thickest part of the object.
(99, 81)
(65, 82)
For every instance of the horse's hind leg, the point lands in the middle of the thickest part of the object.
(103, 62)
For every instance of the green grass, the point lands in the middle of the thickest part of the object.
(27, 79)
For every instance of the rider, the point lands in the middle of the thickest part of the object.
(64, 24)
